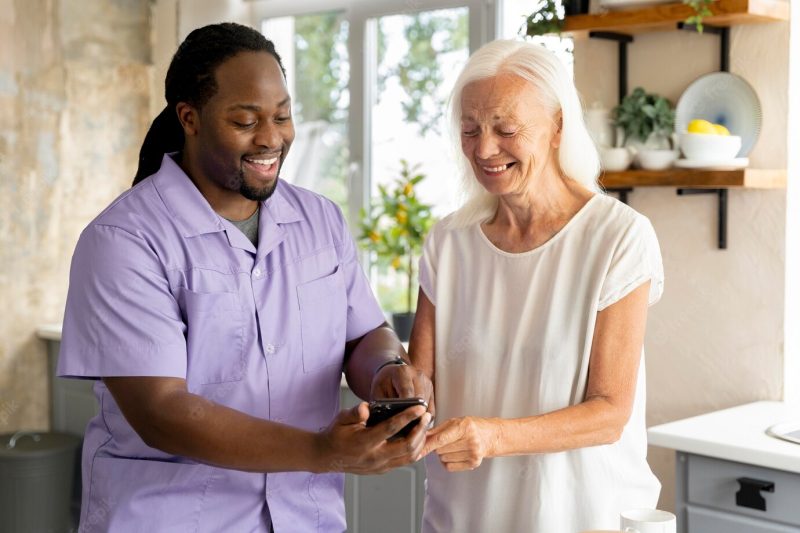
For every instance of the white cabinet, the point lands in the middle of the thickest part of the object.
(731, 477)
(718, 496)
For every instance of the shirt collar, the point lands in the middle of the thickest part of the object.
(194, 214)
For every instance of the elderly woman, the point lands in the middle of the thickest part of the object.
(532, 314)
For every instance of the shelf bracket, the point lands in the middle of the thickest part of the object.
(724, 42)
(722, 211)
(622, 40)
(621, 192)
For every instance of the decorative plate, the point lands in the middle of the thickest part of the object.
(722, 98)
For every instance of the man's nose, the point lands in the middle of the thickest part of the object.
(268, 136)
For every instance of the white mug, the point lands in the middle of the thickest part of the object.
(647, 521)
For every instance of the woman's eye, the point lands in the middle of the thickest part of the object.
(469, 133)
(281, 120)
(506, 133)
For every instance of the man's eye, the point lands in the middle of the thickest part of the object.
(244, 125)
(281, 120)
(469, 133)
(507, 133)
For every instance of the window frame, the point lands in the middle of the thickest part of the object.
(361, 16)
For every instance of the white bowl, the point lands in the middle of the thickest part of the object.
(704, 147)
(656, 159)
(615, 159)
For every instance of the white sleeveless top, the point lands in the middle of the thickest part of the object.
(513, 338)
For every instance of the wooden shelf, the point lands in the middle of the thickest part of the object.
(752, 178)
(665, 16)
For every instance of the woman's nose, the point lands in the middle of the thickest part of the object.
(486, 146)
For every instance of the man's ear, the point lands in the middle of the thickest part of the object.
(189, 118)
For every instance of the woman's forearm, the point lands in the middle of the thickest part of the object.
(594, 422)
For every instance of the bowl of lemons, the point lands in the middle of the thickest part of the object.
(705, 141)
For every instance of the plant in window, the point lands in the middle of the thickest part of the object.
(643, 116)
(394, 229)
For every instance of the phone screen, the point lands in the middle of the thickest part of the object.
(380, 410)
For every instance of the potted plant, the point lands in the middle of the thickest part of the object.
(648, 123)
(393, 231)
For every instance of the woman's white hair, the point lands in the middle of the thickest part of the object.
(577, 155)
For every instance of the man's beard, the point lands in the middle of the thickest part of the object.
(253, 193)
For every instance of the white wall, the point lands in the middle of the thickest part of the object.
(716, 338)
(791, 368)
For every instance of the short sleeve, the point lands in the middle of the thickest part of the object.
(427, 265)
(363, 311)
(635, 260)
(121, 318)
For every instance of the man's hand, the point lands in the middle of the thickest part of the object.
(463, 443)
(402, 381)
(348, 445)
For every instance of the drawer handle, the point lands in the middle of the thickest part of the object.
(749, 494)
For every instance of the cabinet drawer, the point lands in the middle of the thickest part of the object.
(701, 520)
(713, 483)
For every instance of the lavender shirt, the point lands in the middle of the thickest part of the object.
(161, 285)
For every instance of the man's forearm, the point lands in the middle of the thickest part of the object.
(373, 350)
(194, 427)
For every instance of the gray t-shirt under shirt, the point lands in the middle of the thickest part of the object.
(248, 226)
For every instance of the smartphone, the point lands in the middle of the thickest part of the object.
(380, 410)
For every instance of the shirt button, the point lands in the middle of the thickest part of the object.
(270, 348)
(257, 272)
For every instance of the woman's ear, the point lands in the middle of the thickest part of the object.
(555, 142)
(188, 117)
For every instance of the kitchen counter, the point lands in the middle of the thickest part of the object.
(735, 434)
(49, 332)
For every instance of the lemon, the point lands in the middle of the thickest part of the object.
(701, 126)
(721, 130)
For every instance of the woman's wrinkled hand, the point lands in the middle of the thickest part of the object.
(463, 443)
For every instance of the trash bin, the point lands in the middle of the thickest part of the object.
(36, 481)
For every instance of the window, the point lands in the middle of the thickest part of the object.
(314, 52)
(417, 59)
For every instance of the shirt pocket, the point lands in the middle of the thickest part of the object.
(323, 320)
(214, 337)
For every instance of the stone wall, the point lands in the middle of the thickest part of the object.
(74, 108)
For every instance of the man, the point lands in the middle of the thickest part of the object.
(217, 307)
